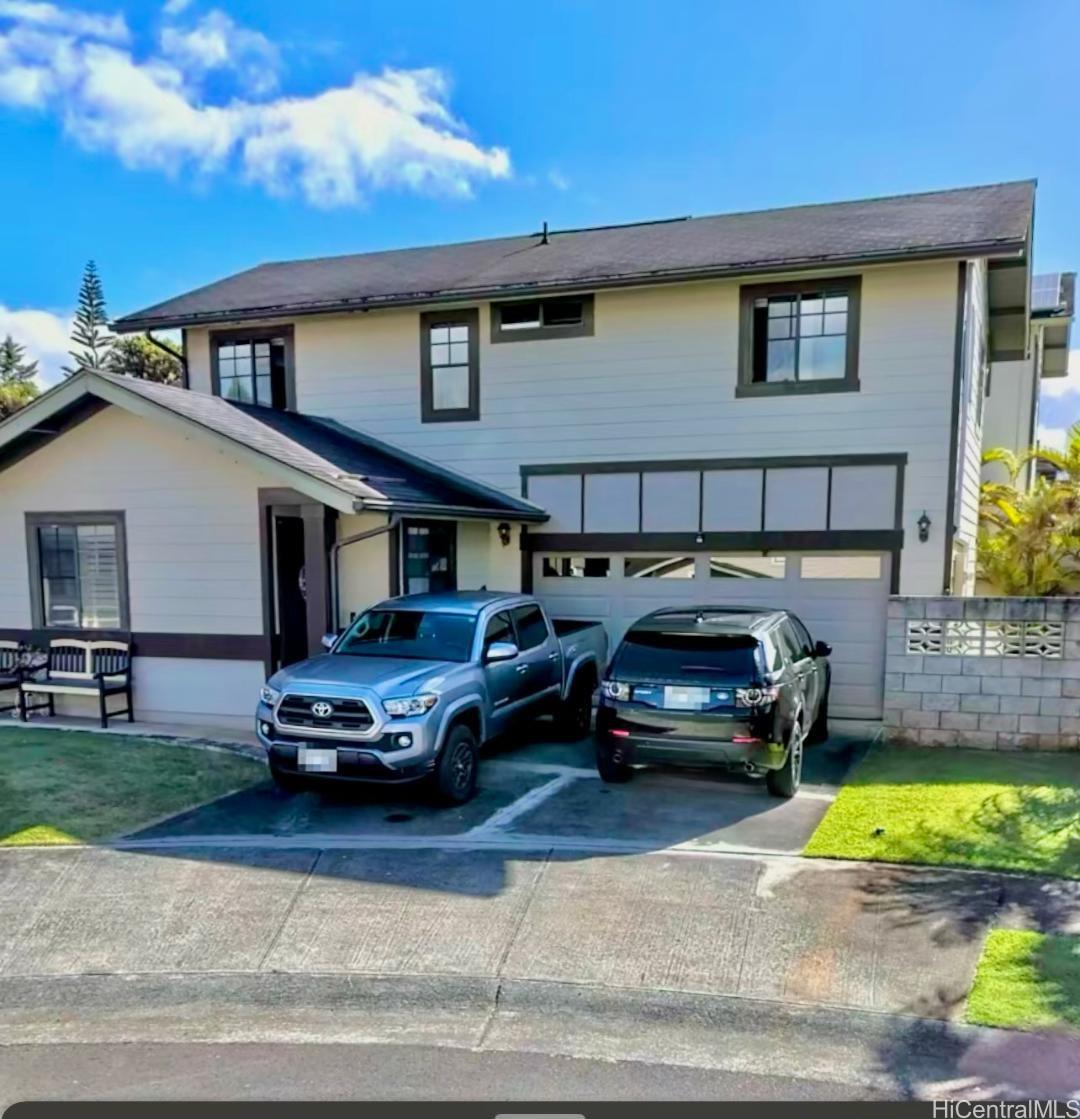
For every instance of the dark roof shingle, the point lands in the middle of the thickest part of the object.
(358, 464)
(974, 219)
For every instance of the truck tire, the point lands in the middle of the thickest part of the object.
(612, 771)
(574, 717)
(454, 779)
(784, 782)
(286, 781)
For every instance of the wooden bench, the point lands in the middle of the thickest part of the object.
(94, 668)
(11, 671)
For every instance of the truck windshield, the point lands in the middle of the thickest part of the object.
(415, 634)
(667, 655)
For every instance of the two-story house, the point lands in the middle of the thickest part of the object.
(781, 407)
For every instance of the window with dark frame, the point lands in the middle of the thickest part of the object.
(800, 337)
(449, 366)
(569, 316)
(252, 369)
(77, 572)
(430, 556)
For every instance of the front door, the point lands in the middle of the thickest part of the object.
(290, 593)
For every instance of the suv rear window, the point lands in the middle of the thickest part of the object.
(674, 654)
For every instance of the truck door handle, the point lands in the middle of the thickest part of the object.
(522, 668)
(553, 656)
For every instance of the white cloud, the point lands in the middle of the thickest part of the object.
(31, 13)
(1067, 385)
(1052, 437)
(45, 335)
(381, 131)
(218, 42)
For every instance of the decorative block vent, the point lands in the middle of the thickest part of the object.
(985, 638)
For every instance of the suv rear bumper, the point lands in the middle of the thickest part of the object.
(637, 735)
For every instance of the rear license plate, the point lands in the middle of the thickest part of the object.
(317, 761)
(685, 699)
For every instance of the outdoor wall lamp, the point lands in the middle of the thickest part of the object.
(504, 533)
(923, 524)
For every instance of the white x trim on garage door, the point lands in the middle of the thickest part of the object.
(841, 598)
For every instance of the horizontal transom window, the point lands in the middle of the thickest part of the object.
(568, 316)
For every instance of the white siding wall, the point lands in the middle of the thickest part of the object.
(197, 351)
(363, 568)
(192, 546)
(484, 561)
(1007, 422)
(658, 381)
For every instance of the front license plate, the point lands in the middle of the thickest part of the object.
(685, 699)
(317, 761)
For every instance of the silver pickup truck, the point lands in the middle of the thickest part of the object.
(417, 684)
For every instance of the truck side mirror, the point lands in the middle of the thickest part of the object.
(500, 651)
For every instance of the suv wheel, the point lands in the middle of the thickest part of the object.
(819, 732)
(455, 774)
(610, 765)
(784, 782)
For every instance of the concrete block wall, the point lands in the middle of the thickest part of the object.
(991, 673)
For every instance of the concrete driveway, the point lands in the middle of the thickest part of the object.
(546, 793)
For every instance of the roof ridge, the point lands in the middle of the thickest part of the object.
(643, 221)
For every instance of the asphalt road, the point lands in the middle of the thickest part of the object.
(368, 1072)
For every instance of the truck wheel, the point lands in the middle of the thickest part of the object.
(455, 775)
(287, 782)
(575, 714)
(784, 782)
(612, 770)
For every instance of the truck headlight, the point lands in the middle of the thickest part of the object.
(269, 695)
(615, 689)
(410, 705)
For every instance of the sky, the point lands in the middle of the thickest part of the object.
(178, 141)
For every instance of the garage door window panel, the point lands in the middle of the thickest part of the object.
(840, 567)
(747, 567)
(659, 567)
(575, 567)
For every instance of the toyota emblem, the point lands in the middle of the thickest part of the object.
(322, 709)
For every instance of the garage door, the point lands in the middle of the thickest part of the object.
(841, 597)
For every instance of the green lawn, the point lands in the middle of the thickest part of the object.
(958, 807)
(71, 786)
(1027, 980)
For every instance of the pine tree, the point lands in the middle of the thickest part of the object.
(15, 368)
(90, 332)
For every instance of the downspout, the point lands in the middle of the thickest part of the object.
(180, 357)
(392, 523)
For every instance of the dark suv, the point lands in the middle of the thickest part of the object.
(737, 686)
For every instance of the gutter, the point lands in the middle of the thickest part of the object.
(434, 509)
(999, 248)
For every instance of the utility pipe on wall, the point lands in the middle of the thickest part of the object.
(391, 524)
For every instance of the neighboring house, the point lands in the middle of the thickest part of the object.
(1012, 392)
(766, 407)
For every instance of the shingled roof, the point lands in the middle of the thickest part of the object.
(358, 470)
(974, 221)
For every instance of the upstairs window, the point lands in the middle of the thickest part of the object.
(568, 316)
(449, 366)
(799, 337)
(253, 367)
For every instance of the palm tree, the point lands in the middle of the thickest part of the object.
(1029, 539)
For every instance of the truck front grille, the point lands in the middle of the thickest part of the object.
(307, 711)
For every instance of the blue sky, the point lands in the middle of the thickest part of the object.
(177, 142)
